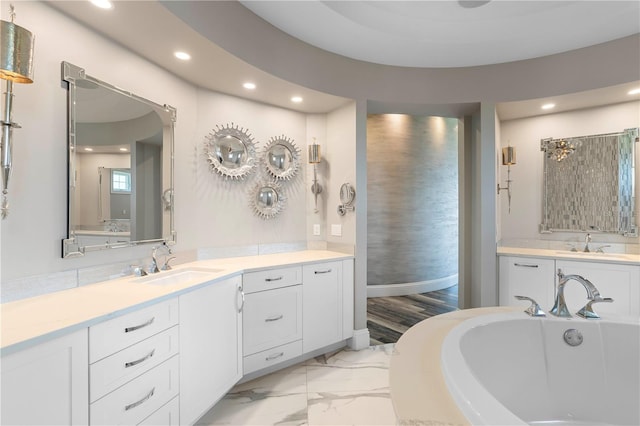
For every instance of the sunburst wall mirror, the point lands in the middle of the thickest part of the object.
(267, 199)
(231, 151)
(281, 158)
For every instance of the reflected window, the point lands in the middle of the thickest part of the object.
(120, 181)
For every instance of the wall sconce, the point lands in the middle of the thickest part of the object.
(508, 159)
(16, 65)
(315, 158)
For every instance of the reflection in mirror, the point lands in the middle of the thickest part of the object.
(267, 199)
(591, 186)
(129, 141)
(281, 158)
(230, 151)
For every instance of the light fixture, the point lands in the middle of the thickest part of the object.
(183, 56)
(634, 92)
(315, 158)
(548, 106)
(559, 149)
(249, 86)
(102, 4)
(296, 99)
(508, 159)
(124, 149)
(16, 65)
(88, 149)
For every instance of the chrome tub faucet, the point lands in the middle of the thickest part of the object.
(593, 295)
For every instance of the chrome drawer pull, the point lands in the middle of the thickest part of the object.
(279, 317)
(274, 356)
(524, 265)
(323, 272)
(138, 361)
(273, 279)
(137, 327)
(135, 404)
(242, 295)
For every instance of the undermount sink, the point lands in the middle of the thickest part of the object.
(181, 276)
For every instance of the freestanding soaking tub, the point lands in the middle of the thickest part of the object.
(510, 369)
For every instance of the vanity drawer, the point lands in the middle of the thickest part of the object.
(270, 279)
(272, 356)
(167, 415)
(118, 333)
(114, 371)
(271, 318)
(138, 399)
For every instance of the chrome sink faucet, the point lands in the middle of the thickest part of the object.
(154, 260)
(587, 240)
(593, 295)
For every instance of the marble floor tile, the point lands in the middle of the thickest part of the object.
(349, 408)
(249, 408)
(341, 388)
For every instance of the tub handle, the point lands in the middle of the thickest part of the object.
(534, 310)
(587, 310)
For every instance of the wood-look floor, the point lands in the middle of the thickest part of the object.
(389, 317)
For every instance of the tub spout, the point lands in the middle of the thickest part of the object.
(593, 295)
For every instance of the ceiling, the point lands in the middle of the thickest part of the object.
(432, 33)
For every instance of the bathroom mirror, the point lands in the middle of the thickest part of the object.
(230, 151)
(120, 163)
(281, 158)
(589, 183)
(267, 199)
(347, 197)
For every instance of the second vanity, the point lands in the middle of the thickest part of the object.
(164, 348)
(532, 272)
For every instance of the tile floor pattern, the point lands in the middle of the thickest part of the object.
(341, 388)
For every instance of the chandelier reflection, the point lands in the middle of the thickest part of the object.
(559, 149)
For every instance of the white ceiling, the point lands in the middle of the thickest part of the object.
(450, 33)
(438, 33)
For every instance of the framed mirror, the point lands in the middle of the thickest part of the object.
(230, 151)
(281, 158)
(120, 163)
(267, 199)
(589, 183)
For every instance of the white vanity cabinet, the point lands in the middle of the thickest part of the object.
(210, 345)
(526, 276)
(327, 303)
(134, 364)
(617, 281)
(272, 317)
(47, 384)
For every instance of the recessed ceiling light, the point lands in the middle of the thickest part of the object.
(249, 85)
(182, 56)
(102, 4)
(634, 91)
(88, 149)
(296, 99)
(548, 106)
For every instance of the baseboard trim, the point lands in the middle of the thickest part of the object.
(360, 339)
(404, 289)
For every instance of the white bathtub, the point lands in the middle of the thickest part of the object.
(510, 369)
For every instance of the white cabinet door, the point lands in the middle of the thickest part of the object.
(47, 384)
(322, 305)
(619, 282)
(531, 277)
(210, 346)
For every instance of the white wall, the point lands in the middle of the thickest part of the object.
(526, 188)
(209, 211)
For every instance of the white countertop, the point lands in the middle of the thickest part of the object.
(622, 258)
(419, 393)
(30, 321)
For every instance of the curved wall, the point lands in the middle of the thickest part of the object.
(412, 207)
